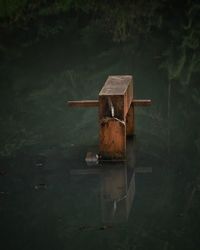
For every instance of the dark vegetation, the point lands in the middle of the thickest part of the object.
(56, 50)
(33, 88)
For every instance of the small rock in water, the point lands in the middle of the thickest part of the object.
(91, 158)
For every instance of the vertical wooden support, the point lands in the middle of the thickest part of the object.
(130, 121)
(115, 100)
(112, 138)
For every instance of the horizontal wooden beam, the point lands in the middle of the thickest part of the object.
(95, 103)
(144, 102)
(83, 103)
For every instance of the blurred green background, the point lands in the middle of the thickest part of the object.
(58, 50)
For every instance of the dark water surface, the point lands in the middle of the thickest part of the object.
(51, 199)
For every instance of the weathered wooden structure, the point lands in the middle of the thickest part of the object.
(116, 115)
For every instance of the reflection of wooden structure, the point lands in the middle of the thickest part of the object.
(117, 183)
(114, 104)
(117, 190)
(116, 115)
(117, 194)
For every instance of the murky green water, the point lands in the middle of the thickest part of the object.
(51, 199)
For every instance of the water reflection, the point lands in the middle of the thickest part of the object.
(117, 193)
(117, 183)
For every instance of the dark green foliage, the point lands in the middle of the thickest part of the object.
(134, 26)
(52, 51)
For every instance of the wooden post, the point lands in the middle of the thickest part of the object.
(112, 138)
(115, 100)
(130, 121)
(116, 115)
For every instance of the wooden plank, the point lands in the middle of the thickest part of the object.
(115, 99)
(116, 85)
(142, 102)
(128, 98)
(118, 93)
(84, 103)
(112, 138)
(130, 121)
(95, 103)
(105, 108)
